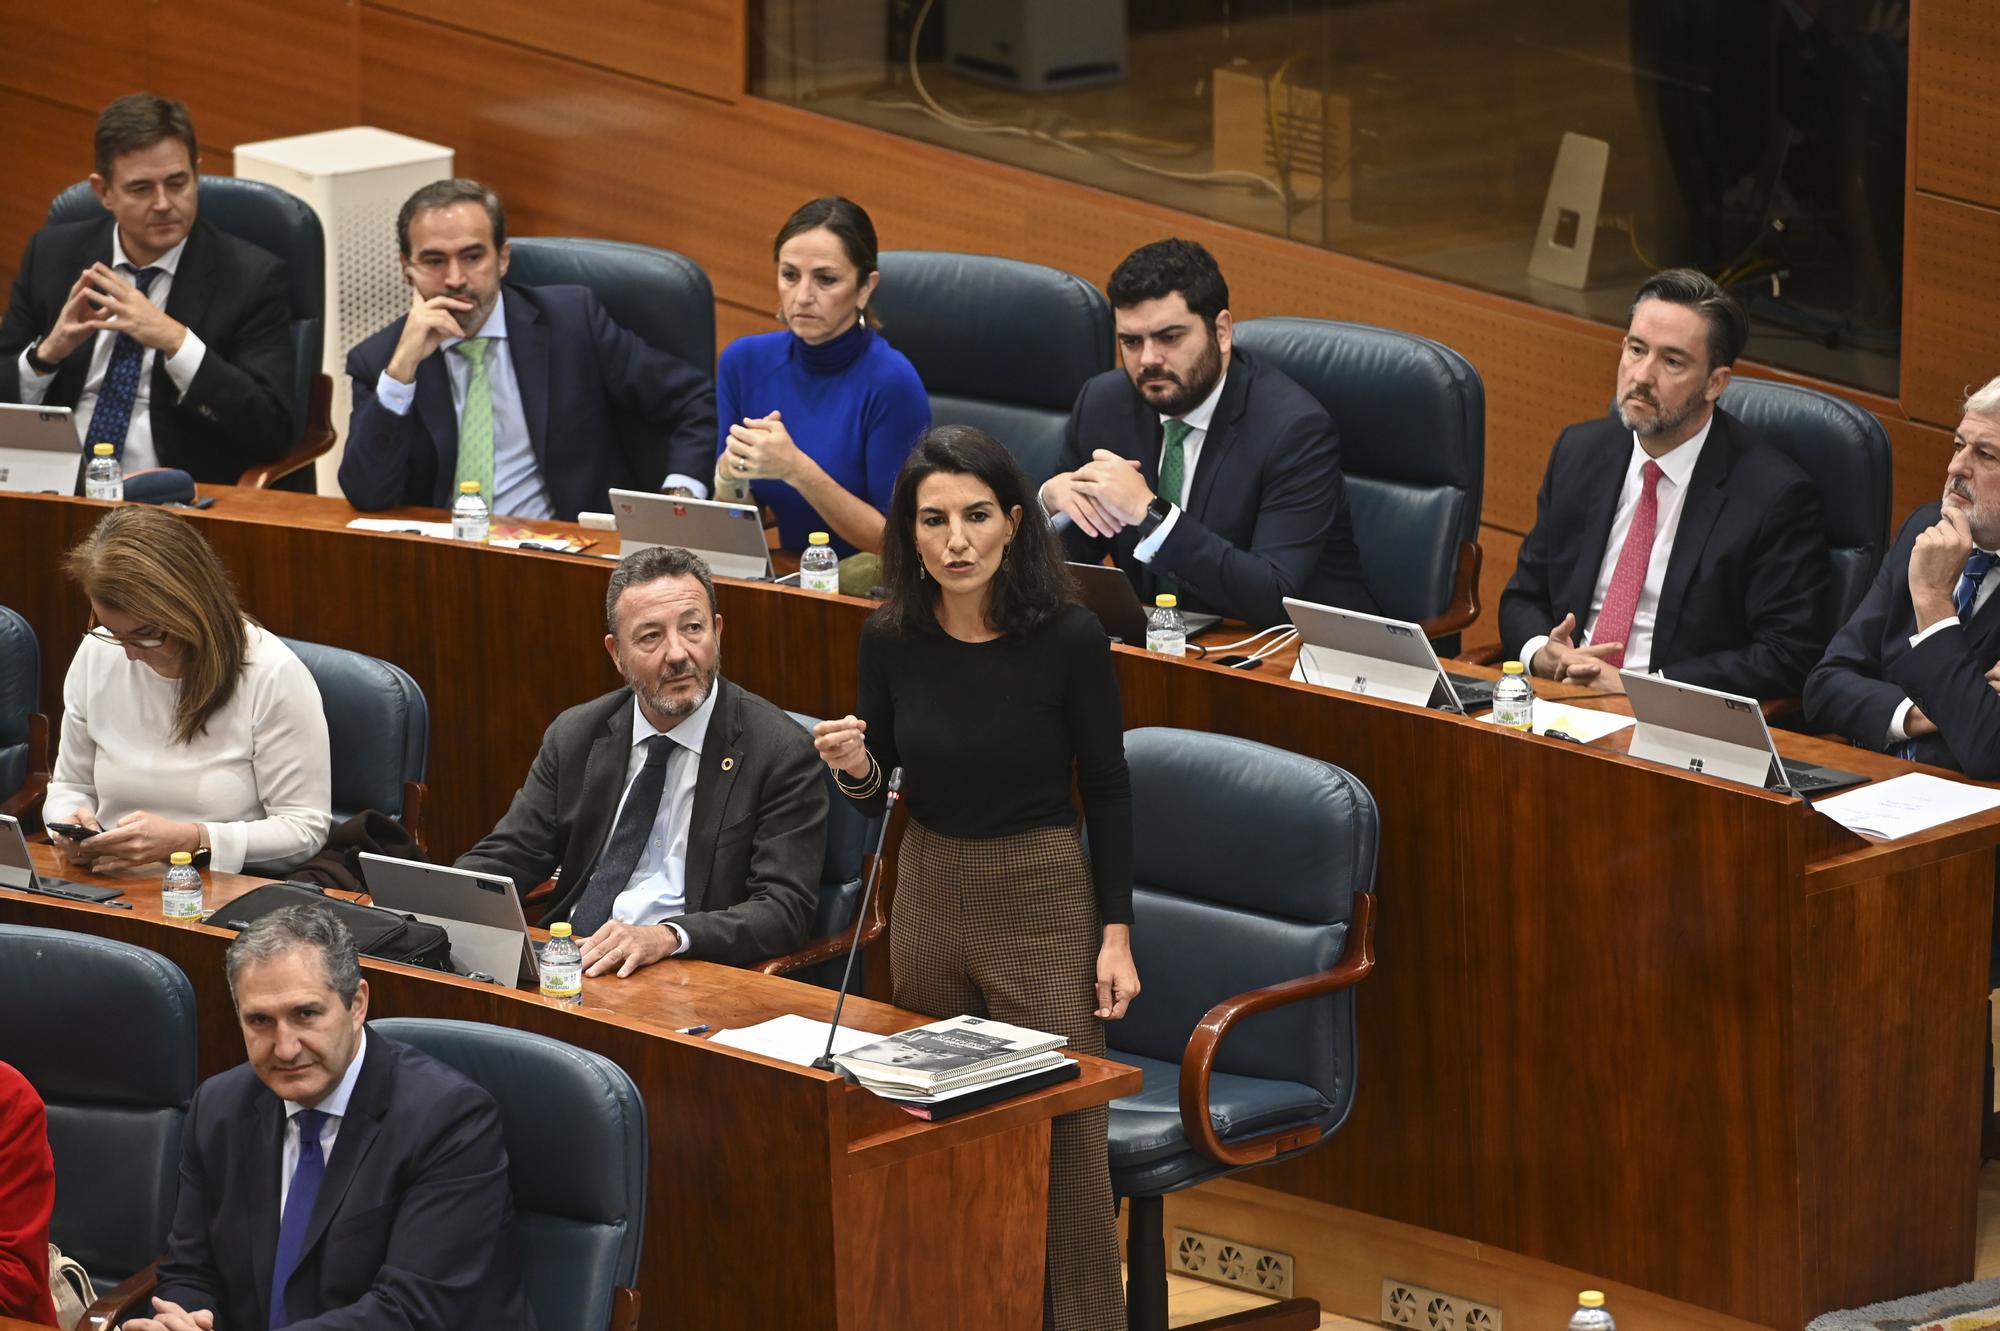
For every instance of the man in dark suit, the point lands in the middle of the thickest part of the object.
(688, 816)
(1197, 469)
(1675, 539)
(1914, 672)
(169, 339)
(538, 395)
(338, 1179)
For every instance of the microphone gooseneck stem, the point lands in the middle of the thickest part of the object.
(891, 797)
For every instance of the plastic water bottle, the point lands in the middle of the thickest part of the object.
(1513, 700)
(103, 478)
(1166, 631)
(819, 568)
(180, 890)
(1590, 1314)
(562, 968)
(469, 518)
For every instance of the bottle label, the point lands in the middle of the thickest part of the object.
(563, 981)
(820, 580)
(1166, 644)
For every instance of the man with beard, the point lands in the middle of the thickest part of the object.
(1668, 537)
(687, 816)
(538, 396)
(1914, 671)
(1199, 470)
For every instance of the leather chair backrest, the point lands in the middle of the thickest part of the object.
(1412, 420)
(20, 695)
(1247, 861)
(575, 1130)
(850, 835)
(115, 1106)
(662, 296)
(272, 220)
(1846, 452)
(378, 725)
(1000, 344)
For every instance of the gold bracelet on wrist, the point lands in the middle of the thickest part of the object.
(860, 788)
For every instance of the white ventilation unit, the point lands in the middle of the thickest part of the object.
(356, 180)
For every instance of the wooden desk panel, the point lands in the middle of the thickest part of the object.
(1644, 1024)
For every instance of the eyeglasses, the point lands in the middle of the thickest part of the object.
(153, 639)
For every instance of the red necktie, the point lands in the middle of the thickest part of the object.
(1628, 578)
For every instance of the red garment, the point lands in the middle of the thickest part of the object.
(27, 1196)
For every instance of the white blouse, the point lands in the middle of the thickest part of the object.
(258, 776)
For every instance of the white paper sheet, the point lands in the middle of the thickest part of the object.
(408, 526)
(1906, 804)
(792, 1039)
(1579, 723)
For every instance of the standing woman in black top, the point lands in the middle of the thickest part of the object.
(990, 687)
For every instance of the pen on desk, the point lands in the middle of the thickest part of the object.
(692, 1030)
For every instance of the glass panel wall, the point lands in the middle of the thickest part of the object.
(1550, 150)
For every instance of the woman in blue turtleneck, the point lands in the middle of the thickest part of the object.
(817, 419)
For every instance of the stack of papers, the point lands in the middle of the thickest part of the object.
(1906, 804)
(956, 1054)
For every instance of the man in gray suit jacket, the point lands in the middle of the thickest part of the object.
(687, 815)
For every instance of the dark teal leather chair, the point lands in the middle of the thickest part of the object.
(379, 731)
(850, 837)
(663, 297)
(24, 731)
(1248, 946)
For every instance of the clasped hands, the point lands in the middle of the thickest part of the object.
(101, 299)
(760, 448)
(1102, 497)
(133, 842)
(1560, 659)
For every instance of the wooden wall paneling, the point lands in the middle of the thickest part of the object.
(695, 45)
(48, 148)
(1951, 341)
(250, 70)
(1499, 550)
(1954, 45)
(1918, 455)
(75, 55)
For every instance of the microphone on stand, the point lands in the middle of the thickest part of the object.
(895, 793)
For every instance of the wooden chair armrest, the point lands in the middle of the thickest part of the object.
(1775, 709)
(116, 1305)
(1486, 654)
(1198, 1061)
(1464, 606)
(413, 814)
(26, 803)
(624, 1309)
(835, 945)
(317, 441)
(543, 892)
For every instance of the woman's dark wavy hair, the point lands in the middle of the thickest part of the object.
(1032, 583)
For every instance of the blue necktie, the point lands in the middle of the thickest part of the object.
(298, 1211)
(120, 389)
(627, 846)
(1977, 566)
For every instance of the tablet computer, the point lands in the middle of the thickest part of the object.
(730, 537)
(480, 911)
(1368, 654)
(39, 453)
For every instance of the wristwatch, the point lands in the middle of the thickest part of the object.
(1156, 512)
(202, 852)
(36, 363)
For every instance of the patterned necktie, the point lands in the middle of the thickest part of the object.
(628, 841)
(475, 423)
(120, 389)
(1628, 576)
(1977, 565)
(299, 1201)
(1173, 460)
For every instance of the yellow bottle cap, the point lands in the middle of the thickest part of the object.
(1166, 600)
(818, 538)
(468, 487)
(181, 857)
(1513, 668)
(1590, 1298)
(103, 450)
(559, 930)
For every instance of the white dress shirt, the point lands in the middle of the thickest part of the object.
(334, 1106)
(658, 886)
(1898, 727)
(1670, 497)
(139, 451)
(1197, 420)
(259, 777)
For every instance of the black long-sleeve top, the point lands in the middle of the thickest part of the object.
(988, 733)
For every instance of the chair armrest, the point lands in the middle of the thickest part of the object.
(1464, 606)
(317, 441)
(1198, 1061)
(1486, 654)
(624, 1309)
(116, 1305)
(413, 814)
(834, 945)
(543, 891)
(25, 803)
(1777, 708)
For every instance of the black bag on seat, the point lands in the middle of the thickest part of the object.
(382, 934)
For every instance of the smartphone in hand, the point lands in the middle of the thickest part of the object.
(74, 831)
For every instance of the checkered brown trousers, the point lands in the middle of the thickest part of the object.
(1007, 928)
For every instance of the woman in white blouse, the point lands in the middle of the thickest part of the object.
(186, 726)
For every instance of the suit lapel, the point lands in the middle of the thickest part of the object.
(264, 1124)
(1604, 468)
(1708, 495)
(440, 418)
(1229, 409)
(603, 782)
(528, 344)
(67, 387)
(721, 760)
(359, 1127)
(194, 283)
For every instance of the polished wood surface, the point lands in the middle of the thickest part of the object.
(1631, 1021)
(757, 1166)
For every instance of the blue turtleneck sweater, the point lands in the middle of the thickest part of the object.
(854, 405)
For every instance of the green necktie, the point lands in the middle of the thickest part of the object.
(1173, 462)
(475, 423)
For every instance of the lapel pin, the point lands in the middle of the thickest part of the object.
(728, 764)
